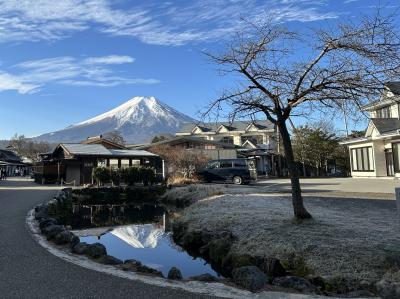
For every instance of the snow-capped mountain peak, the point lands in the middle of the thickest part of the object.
(138, 120)
(135, 110)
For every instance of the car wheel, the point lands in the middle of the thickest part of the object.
(237, 180)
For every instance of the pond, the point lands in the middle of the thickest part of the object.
(144, 236)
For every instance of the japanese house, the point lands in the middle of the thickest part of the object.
(13, 164)
(73, 163)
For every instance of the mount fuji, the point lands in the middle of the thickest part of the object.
(138, 120)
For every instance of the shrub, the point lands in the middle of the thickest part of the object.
(116, 176)
(181, 180)
(101, 175)
(147, 175)
(180, 161)
(131, 175)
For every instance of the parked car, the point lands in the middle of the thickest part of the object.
(237, 171)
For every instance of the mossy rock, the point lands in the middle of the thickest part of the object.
(218, 249)
(297, 266)
(343, 285)
(234, 260)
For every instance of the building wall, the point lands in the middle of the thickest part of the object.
(265, 137)
(394, 111)
(379, 159)
(73, 174)
(215, 154)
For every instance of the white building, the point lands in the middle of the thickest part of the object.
(256, 139)
(377, 154)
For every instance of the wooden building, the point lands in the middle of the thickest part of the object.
(13, 164)
(73, 163)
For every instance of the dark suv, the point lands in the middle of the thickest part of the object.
(237, 171)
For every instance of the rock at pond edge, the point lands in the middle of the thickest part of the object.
(174, 273)
(249, 277)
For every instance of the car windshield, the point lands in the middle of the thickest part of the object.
(212, 165)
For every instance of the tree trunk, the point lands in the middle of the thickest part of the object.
(299, 210)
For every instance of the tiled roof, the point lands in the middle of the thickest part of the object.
(182, 139)
(85, 149)
(233, 126)
(394, 87)
(7, 155)
(384, 100)
(132, 153)
(78, 149)
(386, 125)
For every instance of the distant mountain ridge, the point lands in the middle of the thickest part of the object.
(138, 120)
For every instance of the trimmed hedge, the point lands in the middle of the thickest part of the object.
(129, 176)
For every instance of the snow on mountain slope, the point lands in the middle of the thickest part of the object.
(139, 236)
(138, 120)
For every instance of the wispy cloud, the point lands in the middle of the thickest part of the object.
(162, 23)
(111, 59)
(10, 82)
(30, 76)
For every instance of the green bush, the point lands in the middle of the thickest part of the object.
(116, 176)
(131, 175)
(147, 175)
(101, 175)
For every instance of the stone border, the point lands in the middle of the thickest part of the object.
(212, 289)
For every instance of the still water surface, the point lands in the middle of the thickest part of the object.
(136, 232)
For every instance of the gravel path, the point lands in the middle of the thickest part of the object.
(28, 271)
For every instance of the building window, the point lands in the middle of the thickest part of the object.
(135, 162)
(124, 163)
(362, 159)
(101, 162)
(383, 112)
(227, 139)
(396, 156)
(114, 163)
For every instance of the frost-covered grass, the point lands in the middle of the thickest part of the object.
(346, 238)
(192, 193)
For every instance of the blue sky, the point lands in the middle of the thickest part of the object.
(62, 62)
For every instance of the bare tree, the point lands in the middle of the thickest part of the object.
(180, 161)
(114, 136)
(345, 64)
(25, 147)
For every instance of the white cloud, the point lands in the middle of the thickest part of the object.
(111, 59)
(30, 76)
(10, 82)
(154, 23)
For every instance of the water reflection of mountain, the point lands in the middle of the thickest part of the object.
(88, 216)
(140, 236)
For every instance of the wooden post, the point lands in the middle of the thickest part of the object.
(397, 192)
(58, 172)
